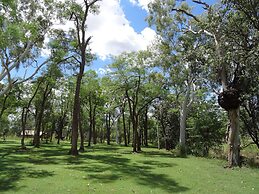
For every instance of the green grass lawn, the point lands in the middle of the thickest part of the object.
(114, 169)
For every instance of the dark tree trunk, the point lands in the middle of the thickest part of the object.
(82, 147)
(39, 117)
(24, 119)
(90, 122)
(146, 128)
(4, 105)
(82, 44)
(108, 128)
(129, 123)
(75, 119)
(59, 129)
(94, 125)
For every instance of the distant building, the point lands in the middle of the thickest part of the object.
(29, 133)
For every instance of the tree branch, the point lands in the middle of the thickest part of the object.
(17, 61)
(206, 6)
(187, 13)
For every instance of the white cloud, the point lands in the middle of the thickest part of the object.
(112, 32)
(134, 2)
(104, 71)
(141, 3)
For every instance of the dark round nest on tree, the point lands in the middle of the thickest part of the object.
(229, 99)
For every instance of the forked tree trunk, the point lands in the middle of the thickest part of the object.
(234, 138)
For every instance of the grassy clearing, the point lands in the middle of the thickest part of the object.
(114, 169)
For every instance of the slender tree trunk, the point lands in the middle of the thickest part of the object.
(39, 118)
(82, 147)
(94, 126)
(117, 131)
(139, 141)
(158, 137)
(108, 128)
(234, 139)
(24, 119)
(124, 127)
(129, 123)
(137, 135)
(90, 123)
(146, 128)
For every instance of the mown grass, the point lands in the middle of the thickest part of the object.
(115, 169)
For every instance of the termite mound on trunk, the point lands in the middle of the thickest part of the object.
(229, 99)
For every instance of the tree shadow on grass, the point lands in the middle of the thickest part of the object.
(12, 172)
(161, 154)
(156, 163)
(104, 164)
(109, 168)
(13, 167)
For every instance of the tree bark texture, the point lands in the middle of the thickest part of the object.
(82, 147)
(234, 138)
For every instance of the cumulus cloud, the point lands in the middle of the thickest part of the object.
(104, 71)
(112, 32)
(141, 3)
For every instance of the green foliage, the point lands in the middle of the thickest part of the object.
(206, 129)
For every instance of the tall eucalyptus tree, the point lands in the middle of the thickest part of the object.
(229, 39)
(78, 13)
